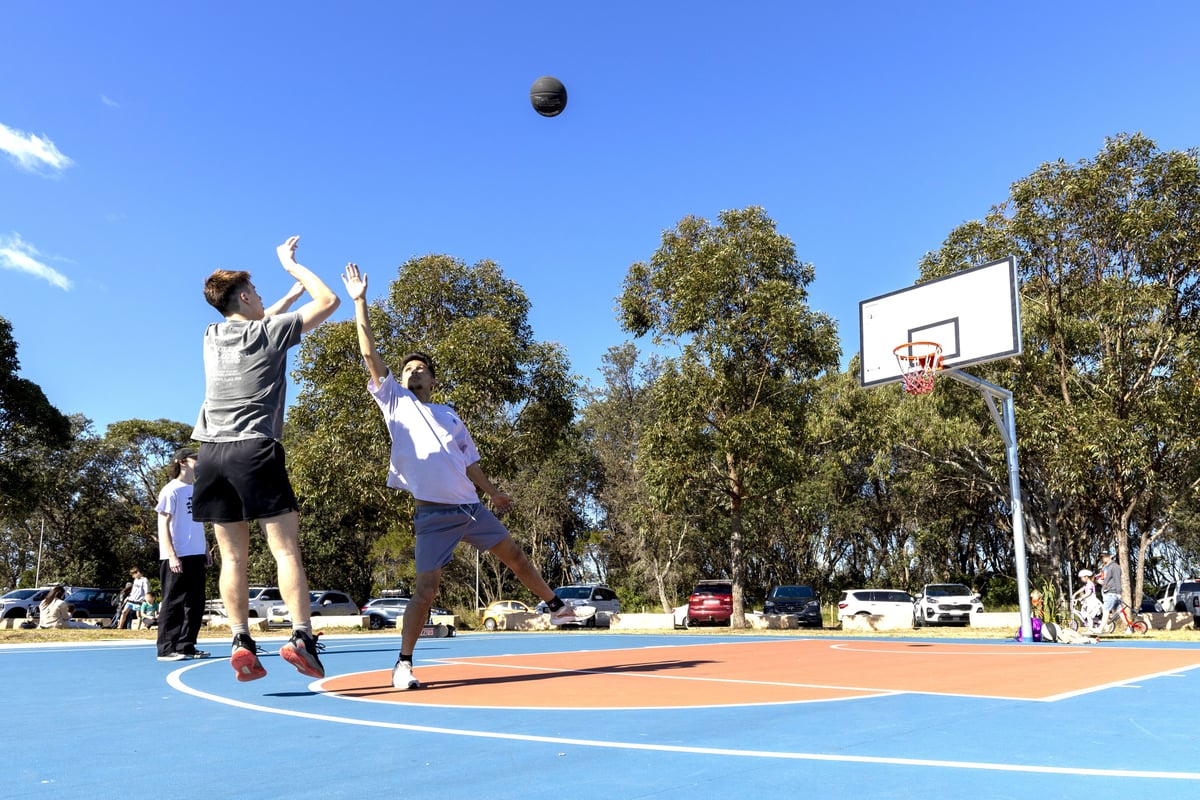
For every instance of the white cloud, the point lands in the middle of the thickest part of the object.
(19, 255)
(108, 101)
(30, 151)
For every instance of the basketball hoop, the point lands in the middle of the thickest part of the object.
(919, 363)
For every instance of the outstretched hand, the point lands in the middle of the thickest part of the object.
(356, 282)
(287, 251)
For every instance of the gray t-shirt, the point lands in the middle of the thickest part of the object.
(245, 376)
(1112, 578)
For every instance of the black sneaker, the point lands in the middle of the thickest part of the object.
(244, 659)
(301, 652)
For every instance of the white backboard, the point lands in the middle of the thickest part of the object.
(974, 314)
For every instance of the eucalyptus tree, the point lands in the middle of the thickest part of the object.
(28, 422)
(648, 539)
(1107, 401)
(30, 427)
(732, 298)
(514, 392)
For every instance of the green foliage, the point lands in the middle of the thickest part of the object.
(729, 409)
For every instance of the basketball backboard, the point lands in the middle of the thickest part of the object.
(974, 314)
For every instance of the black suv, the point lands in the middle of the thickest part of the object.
(87, 602)
(800, 601)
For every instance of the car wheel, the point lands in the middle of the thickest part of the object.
(253, 614)
(15, 613)
(916, 620)
(489, 624)
(590, 622)
(375, 622)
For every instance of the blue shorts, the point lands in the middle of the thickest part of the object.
(239, 481)
(440, 528)
(1112, 601)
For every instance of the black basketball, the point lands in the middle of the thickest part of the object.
(548, 96)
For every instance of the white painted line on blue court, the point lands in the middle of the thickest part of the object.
(175, 680)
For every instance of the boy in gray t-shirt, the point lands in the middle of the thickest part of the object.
(240, 472)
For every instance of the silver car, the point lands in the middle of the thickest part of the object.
(598, 596)
(321, 604)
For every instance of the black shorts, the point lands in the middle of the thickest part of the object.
(239, 481)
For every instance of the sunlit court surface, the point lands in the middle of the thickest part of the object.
(612, 716)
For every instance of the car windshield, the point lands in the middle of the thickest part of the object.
(714, 588)
(573, 592)
(947, 590)
(1189, 586)
(793, 592)
(20, 594)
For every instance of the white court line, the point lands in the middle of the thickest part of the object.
(859, 693)
(175, 681)
(930, 650)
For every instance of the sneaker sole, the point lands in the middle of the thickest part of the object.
(246, 665)
(297, 659)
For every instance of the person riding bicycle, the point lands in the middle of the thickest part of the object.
(1085, 598)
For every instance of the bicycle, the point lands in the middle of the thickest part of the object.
(1133, 621)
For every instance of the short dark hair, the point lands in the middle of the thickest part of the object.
(222, 287)
(417, 355)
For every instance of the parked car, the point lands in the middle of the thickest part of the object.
(382, 612)
(866, 602)
(945, 604)
(711, 602)
(1177, 596)
(596, 595)
(323, 604)
(800, 601)
(21, 603)
(262, 600)
(88, 603)
(493, 615)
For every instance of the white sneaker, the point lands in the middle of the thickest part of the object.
(402, 677)
(571, 615)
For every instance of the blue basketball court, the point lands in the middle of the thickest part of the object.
(599, 715)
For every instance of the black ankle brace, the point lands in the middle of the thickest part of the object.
(555, 604)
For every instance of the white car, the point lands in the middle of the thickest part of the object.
(875, 602)
(945, 604)
(21, 603)
(262, 600)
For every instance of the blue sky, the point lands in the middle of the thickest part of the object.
(143, 145)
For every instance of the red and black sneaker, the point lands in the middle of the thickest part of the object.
(301, 652)
(244, 659)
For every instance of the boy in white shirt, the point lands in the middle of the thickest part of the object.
(434, 458)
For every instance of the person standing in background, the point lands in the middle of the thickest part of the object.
(184, 559)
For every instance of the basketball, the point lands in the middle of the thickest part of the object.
(548, 96)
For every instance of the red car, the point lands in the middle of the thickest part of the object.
(711, 602)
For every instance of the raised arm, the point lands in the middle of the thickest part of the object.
(324, 300)
(284, 303)
(356, 287)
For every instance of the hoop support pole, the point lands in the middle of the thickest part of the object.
(1006, 420)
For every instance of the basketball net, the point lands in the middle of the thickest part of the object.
(919, 363)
